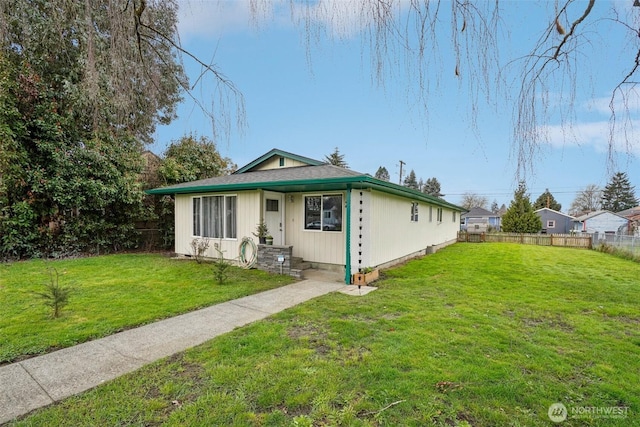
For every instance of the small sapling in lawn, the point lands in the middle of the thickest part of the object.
(220, 268)
(55, 295)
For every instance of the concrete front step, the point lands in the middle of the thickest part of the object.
(300, 264)
(298, 274)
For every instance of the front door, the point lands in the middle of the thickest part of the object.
(274, 216)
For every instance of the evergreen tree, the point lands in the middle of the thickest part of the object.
(546, 200)
(336, 159)
(432, 187)
(520, 217)
(411, 180)
(383, 174)
(619, 195)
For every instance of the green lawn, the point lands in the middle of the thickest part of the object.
(111, 293)
(476, 334)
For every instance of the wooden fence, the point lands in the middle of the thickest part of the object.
(566, 240)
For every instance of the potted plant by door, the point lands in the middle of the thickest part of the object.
(269, 240)
(261, 232)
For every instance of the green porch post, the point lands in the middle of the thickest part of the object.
(347, 269)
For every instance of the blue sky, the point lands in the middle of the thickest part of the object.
(309, 101)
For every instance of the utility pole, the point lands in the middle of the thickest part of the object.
(401, 163)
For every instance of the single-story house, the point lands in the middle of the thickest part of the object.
(633, 215)
(635, 211)
(554, 222)
(332, 217)
(601, 222)
(479, 220)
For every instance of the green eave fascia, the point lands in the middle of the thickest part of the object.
(313, 185)
(398, 190)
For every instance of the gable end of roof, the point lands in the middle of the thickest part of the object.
(279, 153)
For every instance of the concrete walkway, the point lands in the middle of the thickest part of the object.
(42, 380)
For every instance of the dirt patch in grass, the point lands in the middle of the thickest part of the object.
(314, 335)
(627, 319)
(454, 419)
(352, 354)
(306, 330)
(183, 386)
(373, 318)
(555, 323)
(317, 339)
(297, 411)
(465, 417)
(362, 318)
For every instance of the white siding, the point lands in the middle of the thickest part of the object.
(389, 234)
(605, 222)
(326, 247)
(361, 231)
(248, 216)
(274, 163)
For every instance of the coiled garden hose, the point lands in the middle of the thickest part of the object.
(242, 253)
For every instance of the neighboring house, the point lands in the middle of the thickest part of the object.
(332, 217)
(479, 220)
(601, 222)
(634, 225)
(630, 212)
(633, 215)
(554, 222)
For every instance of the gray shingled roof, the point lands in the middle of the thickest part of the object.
(323, 177)
(479, 212)
(300, 173)
(596, 213)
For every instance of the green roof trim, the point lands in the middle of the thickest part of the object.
(278, 153)
(312, 185)
(316, 177)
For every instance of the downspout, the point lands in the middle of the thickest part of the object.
(347, 269)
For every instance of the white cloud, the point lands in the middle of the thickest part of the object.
(341, 18)
(346, 18)
(625, 137)
(624, 102)
(211, 18)
(620, 131)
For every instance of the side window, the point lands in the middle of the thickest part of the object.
(414, 212)
(196, 216)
